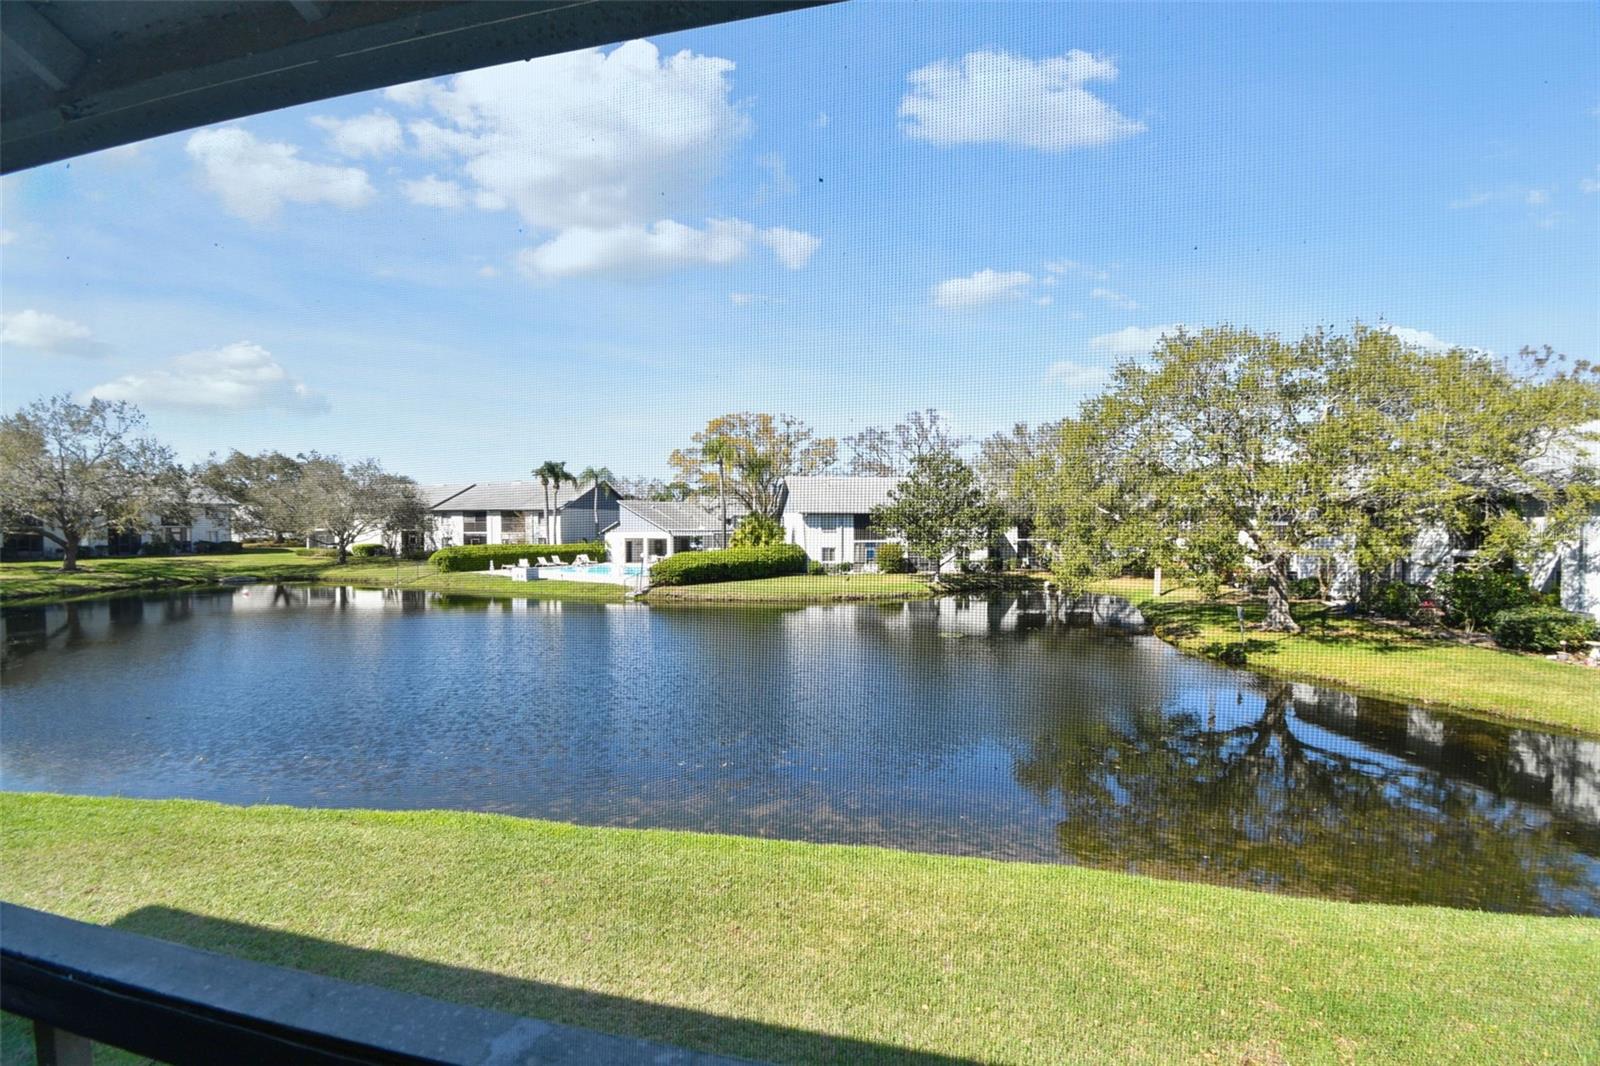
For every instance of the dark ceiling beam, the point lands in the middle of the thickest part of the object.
(240, 59)
(40, 47)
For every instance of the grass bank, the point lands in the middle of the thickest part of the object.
(34, 583)
(800, 588)
(796, 952)
(1394, 662)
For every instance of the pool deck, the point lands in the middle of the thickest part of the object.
(613, 574)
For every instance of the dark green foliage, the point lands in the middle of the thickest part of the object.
(1545, 629)
(732, 564)
(1305, 588)
(1474, 597)
(368, 551)
(1395, 599)
(216, 547)
(816, 569)
(478, 556)
(891, 558)
(316, 553)
(845, 568)
(155, 547)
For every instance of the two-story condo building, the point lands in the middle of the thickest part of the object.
(513, 512)
(647, 530)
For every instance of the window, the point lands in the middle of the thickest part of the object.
(827, 555)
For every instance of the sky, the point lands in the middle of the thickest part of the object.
(842, 214)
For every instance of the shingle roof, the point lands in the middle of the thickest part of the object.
(434, 495)
(506, 496)
(684, 516)
(814, 494)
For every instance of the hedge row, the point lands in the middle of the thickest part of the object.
(1543, 629)
(478, 556)
(729, 564)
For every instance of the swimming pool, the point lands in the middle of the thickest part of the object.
(614, 573)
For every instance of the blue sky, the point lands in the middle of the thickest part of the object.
(842, 214)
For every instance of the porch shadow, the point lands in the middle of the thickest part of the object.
(680, 1026)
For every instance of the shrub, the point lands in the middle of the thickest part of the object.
(731, 564)
(368, 551)
(1395, 599)
(1474, 597)
(1305, 588)
(478, 556)
(754, 530)
(316, 553)
(891, 558)
(1546, 629)
(816, 569)
(155, 547)
(226, 547)
(845, 568)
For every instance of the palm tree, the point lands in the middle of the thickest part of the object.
(551, 472)
(721, 451)
(595, 475)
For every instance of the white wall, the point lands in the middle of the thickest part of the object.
(1580, 571)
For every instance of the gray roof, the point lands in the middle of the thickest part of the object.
(508, 496)
(836, 495)
(685, 516)
(434, 495)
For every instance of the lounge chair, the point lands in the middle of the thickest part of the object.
(522, 563)
(583, 560)
(554, 560)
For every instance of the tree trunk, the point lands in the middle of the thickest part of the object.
(69, 554)
(1279, 619)
(344, 552)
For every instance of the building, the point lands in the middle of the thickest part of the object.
(647, 530)
(513, 512)
(831, 517)
(208, 521)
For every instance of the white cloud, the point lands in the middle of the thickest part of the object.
(821, 121)
(999, 98)
(433, 191)
(43, 332)
(1590, 184)
(984, 287)
(1132, 340)
(779, 183)
(586, 139)
(255, 178)
(741, 299)
(365, 136)
(1477, 199)
(1067, 266)
(238, 377)
(1417, 338)
(1076, 377)
(1116, 299)
(487, 271)
(1044, 301)
(792, 247)
(637, 249)
(7, 236)
(1537, 197)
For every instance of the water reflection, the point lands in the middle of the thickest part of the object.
(963, 726)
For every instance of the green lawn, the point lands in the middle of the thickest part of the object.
(1382, 660)
(25, 583)
(803, 588)
(797, 952)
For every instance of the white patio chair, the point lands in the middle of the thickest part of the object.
(583, 560)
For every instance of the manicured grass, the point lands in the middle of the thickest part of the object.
(29, 583)
(44, 582)
(797, 952)
(1382, 660)
(801, 588)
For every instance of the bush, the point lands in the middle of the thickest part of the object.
(368, 551)
(155, 547)
(845, 568)
(226, 547)
(1395, 599)
(478, 556)
(1474, 597)
(316, 553)
(731, 564)
(816, 569)
(754, 530)
(1545, 629)
(1305, 588)
(891, 558)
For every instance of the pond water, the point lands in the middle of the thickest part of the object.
(962, 727)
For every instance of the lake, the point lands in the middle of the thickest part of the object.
(966, 727)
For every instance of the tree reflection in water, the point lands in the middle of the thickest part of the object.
(1261, 805)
